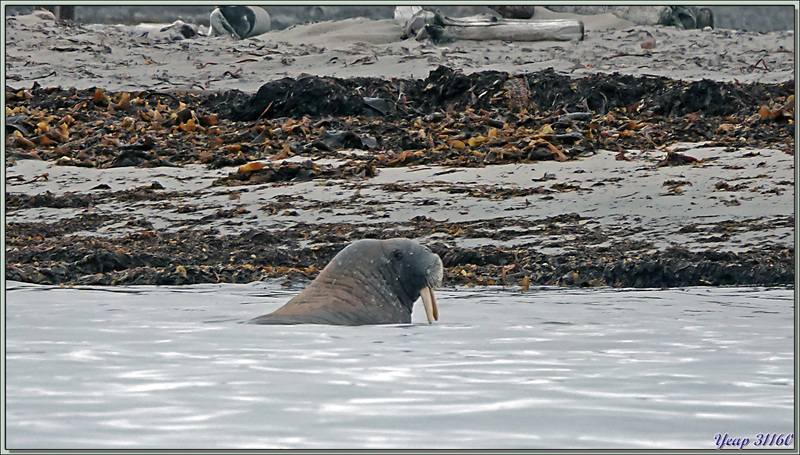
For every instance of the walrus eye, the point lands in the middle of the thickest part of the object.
(397, 255)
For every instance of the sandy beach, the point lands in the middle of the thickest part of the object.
(648, 194)
(120, 58)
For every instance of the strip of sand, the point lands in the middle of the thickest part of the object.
(136, 58)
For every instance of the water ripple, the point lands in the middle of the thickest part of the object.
(551, 369)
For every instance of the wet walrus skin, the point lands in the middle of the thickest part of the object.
(368, 282)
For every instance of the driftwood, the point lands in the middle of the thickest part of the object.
(443, 28)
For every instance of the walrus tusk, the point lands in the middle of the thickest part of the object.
(429, 301)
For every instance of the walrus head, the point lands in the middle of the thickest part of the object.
(368, 282)
(419, 272)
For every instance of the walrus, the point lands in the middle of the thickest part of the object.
(368, 282)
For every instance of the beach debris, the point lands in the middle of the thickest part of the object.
(525, 283)
(404, 13)
(648, 43)
(312, 95)
(686, 17)
(294, 171)
(335, 139)
(380, 105)
(448, 118)
(180, 30)
(249, 167)
(677, 159)
(514, 11)
(143, 255)
(675, 187)
(239, 22)
(518, 93)
(20, 180)
(784, 111)
(442, 29)
(19, 123)
(412, 19)
(725, 186)
(754, 66)
(44, 14)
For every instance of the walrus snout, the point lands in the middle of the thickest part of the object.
(368, 282)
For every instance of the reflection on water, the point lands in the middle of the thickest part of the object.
(173, 367)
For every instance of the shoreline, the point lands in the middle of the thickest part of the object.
(641, 198)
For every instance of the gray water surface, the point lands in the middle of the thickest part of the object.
(154, 367)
